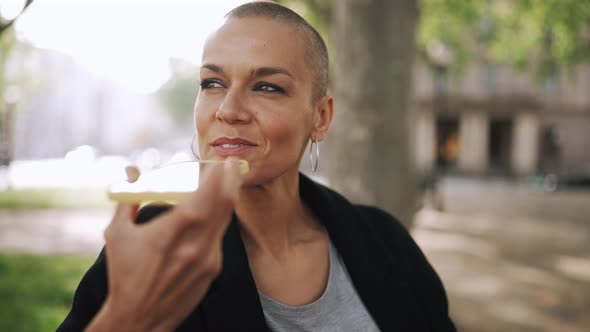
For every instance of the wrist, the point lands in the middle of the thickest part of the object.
(113, 319)
(110, 319)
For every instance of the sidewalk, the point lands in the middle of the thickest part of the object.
(43, 231)
(510, 274)
(501, 274)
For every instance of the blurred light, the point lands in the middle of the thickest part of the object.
(80, 169)
(574, 267)
(148, 159)
(9, 9)
(129, 42)
(12, 94)
(181, 156)
(82, 154)
(178, 177)
(439, 53)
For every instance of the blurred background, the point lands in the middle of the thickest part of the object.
(469, 120)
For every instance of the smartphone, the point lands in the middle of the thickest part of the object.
(168, 184)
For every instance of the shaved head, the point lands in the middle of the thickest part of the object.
(316, 52)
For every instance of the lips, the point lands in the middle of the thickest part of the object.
(231, 146)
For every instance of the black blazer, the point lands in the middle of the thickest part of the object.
(400, 289)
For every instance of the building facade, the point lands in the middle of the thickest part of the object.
(502, 122)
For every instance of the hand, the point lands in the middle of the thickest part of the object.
(158, 272)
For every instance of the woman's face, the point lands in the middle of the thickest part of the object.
(255, 100)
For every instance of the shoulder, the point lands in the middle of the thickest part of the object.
(396, 239)
(380, 219)
(88, 298)
(410, 260)
(368, 223)
(386, 227)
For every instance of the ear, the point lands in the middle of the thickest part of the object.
(322, 117)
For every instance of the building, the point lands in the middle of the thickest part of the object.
(498, 121)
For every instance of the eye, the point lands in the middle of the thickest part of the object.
(267, 87)
(211, 84)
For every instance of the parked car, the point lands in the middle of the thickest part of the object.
(570, 180)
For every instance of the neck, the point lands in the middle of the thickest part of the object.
(273, 216)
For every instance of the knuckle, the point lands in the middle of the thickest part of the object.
(187, 214)
(203, 258)
(213, 265)
(109, 233)
(188, 255)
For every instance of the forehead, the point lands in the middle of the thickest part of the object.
(256, 42)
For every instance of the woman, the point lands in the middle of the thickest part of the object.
(294, 255)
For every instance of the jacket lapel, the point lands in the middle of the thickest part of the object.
(232, 303)
(377, 274)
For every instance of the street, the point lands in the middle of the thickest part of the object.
(502, 271)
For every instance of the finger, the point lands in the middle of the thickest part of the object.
(214, 199)
(125, 212)
(218, 189)
(122, 219)
(232, 178)
(133, 173)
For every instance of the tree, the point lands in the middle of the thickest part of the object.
(7, 108)
(6, 24)
(177, 96)
(372, 48)
(373, 54)
(372, 43)
(545, 36)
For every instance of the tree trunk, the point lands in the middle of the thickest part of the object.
(7, 120)
(371, 159)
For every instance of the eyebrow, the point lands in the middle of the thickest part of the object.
(212, 67)
(255, 72)
(267, 71)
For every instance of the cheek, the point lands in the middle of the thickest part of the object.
(201, 118)
(284, 134)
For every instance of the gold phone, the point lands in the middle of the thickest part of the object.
(168, 184)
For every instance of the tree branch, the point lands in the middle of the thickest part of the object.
(5, 26)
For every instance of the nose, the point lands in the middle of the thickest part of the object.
(233, 109)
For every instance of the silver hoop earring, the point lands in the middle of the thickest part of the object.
(195, 153)
(314, 163)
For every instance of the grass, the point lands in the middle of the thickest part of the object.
(54, 198)
(36, 291)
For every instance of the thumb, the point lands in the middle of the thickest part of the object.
(125, 214)
(133, 174)
(232, 178)
(122, 221)
(216, 194)
(222, 181)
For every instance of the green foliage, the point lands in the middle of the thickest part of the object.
(9, 44)
(317, 12)
(543, 35)
(448, 24)
(178, 94)
(36, 291)
(54, 198)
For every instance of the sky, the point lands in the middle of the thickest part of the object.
(126, 41)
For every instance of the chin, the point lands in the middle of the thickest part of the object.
(267, 175)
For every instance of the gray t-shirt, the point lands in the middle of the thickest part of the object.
(338, 309)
